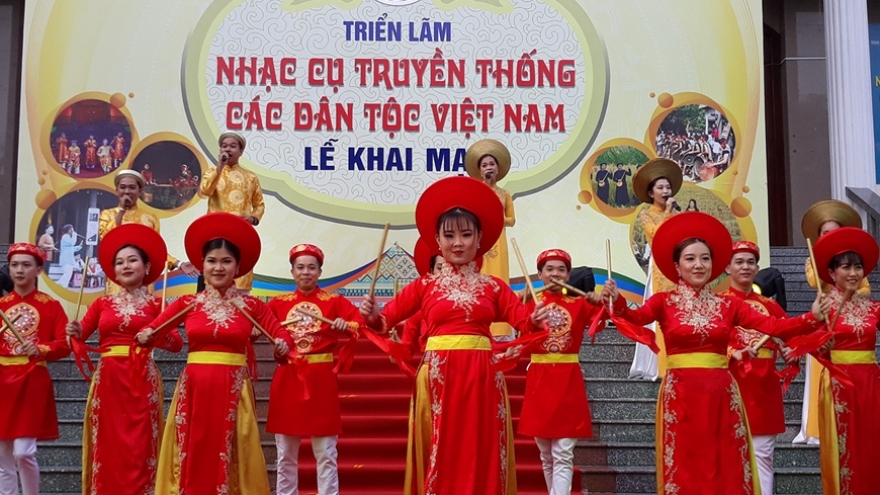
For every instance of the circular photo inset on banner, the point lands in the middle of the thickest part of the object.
(172, 172)
(691, 198)
(90, 138)
(699, 138)
(612, 176)
(68, 234)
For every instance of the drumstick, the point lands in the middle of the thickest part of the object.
(11, 326)
(255, 323)
(570, 288)
(846, 296)
(816, 273)
(608, 261)
(178, 315)
(164, 287)
(379, 259)
(82, 285)
(13, 320)
(291, 321)
(761, 343)
(313, 315)
(522, 266)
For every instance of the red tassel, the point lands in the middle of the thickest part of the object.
(526, 341)
(82, 359)
(400, 352)
(598, 323)
(636, 333)
(809, 343)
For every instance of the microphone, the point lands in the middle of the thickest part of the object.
(675, 206)
(224, 157)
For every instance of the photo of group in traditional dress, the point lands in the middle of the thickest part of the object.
(90, 138)
(700, 139)
(612, 176)
(171, 172)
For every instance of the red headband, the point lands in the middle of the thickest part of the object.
(25, 248)
(307, 250)
(554, 255)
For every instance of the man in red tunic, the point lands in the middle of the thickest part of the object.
(91, 146)
(304, 397)
(27, 410)
(118, 150)
(555, 409)
(759, 386)
(61, 150)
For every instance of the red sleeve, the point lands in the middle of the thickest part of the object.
(349, 312)
(92, 318)
(774, 308)
(264, 316)
(168, 316)
(746, 316)
(511, 309)
(56, 348)
(404, 305)
(645, 314)
(172, 341)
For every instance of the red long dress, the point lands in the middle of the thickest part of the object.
(555, 404)
(309, 406)
(212, 444)
(760, 386)
(703, 437)
(470, 450)
(849, 430)
(27, 408)
(122, 423)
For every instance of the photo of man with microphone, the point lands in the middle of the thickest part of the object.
(233, 189)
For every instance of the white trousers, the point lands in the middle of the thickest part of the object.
(19, 456)
(764, 446)
(324, 449)
(557, 458)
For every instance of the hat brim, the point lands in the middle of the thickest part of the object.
(485, 147)
(687, 226)
(840, 241)
(652, 170)
(227, 226)
(134, 234)
(828, 211)
(465, 193)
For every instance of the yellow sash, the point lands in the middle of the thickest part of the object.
(213, 357)
(326, 357)
(117, 351)
(765, 353)
(554, 358)
(17, 361)
(458, 342)
(696, 360)
(853, 357)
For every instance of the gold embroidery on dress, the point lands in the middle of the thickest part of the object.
(435, 382)
(462, 287)
(669, 420)
(841, 413)
(856, 312)
(304, 330)
(746, 336)
(94, 406)
(326, 296)
(698, 310)
(27, 325)
(501, 386)
(127, 304)
(220, 309)
(559, 323)
(741, 433)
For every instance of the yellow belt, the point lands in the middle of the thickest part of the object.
(116, 351)
(765, 353)
(458, 342)
(326, 357)
(696, 360)
(17, 361)
(213, 357)
(853, 357)
(554, 358)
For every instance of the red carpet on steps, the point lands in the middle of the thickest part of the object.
(375, 398)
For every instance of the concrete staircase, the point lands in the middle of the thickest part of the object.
(620, 459)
